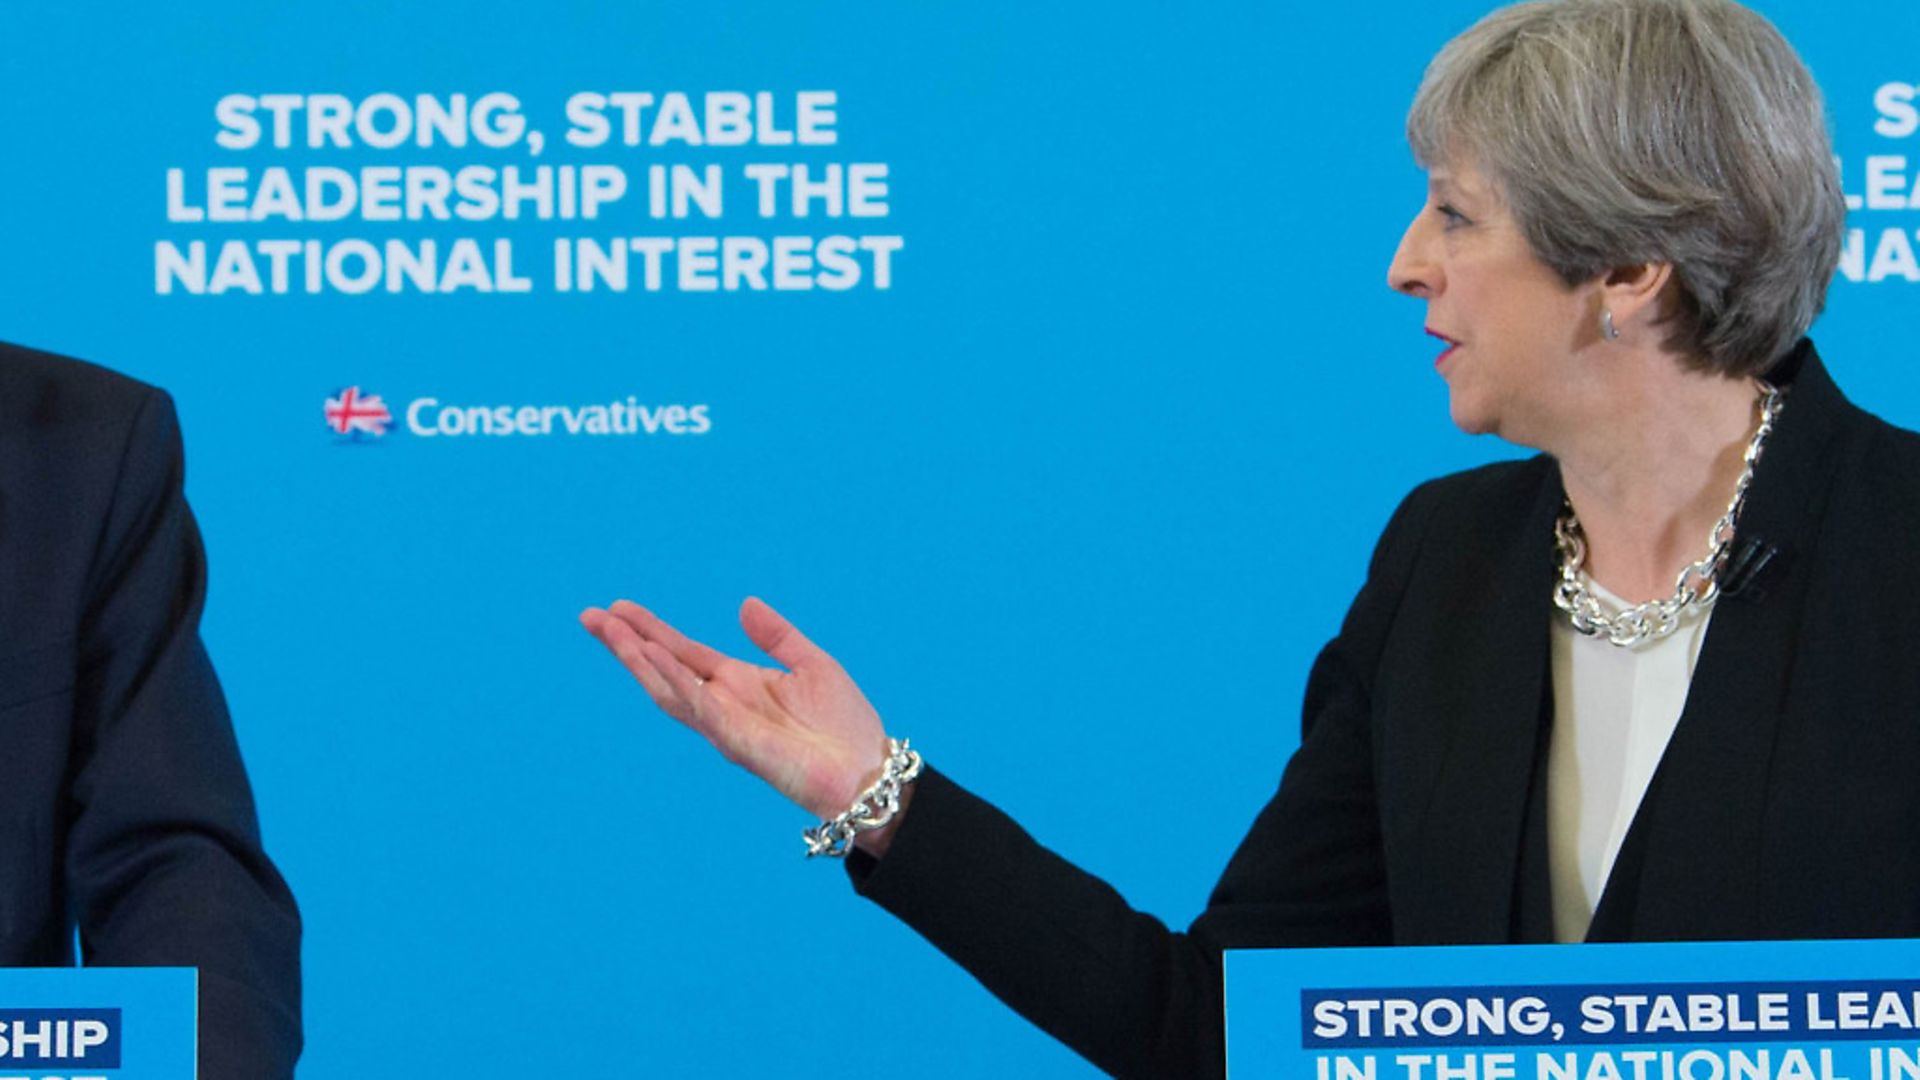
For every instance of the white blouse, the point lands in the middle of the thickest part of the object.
(1613, 711)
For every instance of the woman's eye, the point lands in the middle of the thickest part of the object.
(1450, 216)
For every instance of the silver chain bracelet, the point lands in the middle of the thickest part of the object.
(875, 807)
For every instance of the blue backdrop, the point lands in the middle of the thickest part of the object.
(1075, 495)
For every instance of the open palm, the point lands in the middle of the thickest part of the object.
(807, 730)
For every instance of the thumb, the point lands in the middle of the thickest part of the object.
(778, 638)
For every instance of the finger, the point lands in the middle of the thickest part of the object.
(625, 644)
(704, 711)
(704, 660)
(682, 679)
(779, 638)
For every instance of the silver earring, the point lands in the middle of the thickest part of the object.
(1607, 328)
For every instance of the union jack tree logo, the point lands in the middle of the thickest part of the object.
(352, 413)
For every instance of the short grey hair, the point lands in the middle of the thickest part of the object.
(1622, 132)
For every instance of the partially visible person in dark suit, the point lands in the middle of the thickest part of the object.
(124, 809)
(1655, 683)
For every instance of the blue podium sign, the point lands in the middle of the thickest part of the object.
(98, 1023)
(1802, 1010)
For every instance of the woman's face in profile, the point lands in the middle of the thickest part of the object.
(1508, 323)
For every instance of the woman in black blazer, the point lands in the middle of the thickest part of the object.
(1524, 730)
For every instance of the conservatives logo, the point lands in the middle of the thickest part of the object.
(351, 414)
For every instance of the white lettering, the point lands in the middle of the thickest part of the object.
(1898, 116)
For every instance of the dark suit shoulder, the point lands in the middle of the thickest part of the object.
(1892, 460)
(1484, 503)
(42, 391)
(86, 455)
(1502, 484)
(71, 426)
(1446, 529)
(1868, 518)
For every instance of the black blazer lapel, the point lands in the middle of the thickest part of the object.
(1689, 865)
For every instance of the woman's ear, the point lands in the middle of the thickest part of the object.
(1631, 297)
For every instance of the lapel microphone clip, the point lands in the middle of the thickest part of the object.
(1748, 566)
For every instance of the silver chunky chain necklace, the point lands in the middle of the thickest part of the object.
(1697, 587)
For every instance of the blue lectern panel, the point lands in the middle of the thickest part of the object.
(1810, 1010)
(98, 1023)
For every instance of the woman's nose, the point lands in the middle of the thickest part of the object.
(1412, 271)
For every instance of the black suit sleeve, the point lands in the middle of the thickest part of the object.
(164, 864)
(1067, 952)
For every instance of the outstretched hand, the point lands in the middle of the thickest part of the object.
(807, 730)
